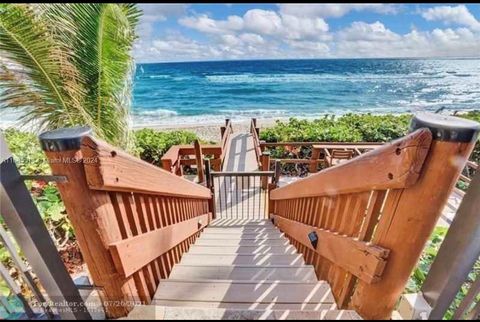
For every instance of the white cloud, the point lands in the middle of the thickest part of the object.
(362, 31)
(205, 24)
(459, 15)
(300, 31)
(324, 10)
(160, 12)
(361, 39)
(152, 13)
(262, 22)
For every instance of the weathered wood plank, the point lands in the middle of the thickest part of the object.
(108, 168)
(132, 254)
(360, 259)
(391, 166)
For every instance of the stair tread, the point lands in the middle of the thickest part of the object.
(245, 291)
(239, 242)
(247, 306)
(157, 312)
(230, 235)
(207, 259)
(250, 273)
(219, 249)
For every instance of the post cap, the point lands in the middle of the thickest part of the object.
(63, 139)
(446, 128)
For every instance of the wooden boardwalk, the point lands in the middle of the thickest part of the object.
(241, 154)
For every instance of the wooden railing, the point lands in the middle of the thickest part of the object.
(132, 220)
(180, 155)
(255, 131)
(321, 151)
(225, 131)
(363, 224)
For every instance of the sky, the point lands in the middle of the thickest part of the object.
(198, 32)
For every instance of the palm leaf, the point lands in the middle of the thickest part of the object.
(44, 73)
(102, 42)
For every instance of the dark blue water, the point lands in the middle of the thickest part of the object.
(200, 92)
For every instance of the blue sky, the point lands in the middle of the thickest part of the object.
(183, 32)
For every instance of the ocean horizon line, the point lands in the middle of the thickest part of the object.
(311, 59)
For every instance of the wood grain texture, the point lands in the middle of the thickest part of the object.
(408, 219)
(108, 168)
(391, 166)
(130, 255)
(365, 261)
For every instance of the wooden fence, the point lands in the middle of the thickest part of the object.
(133, 221)
(363, 224)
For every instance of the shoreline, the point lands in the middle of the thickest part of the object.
(211, 131)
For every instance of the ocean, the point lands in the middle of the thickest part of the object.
(205, 92)
(196, 93)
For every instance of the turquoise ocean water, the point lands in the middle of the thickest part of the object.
(208, 92)
(201, 92)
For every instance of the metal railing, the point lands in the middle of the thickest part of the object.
(44, 269)
(454, 266)
(241, 195)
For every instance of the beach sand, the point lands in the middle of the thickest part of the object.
(211, 131)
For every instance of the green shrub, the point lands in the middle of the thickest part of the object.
(347, 128)
(151, 145)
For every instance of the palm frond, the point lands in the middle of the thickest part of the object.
(102, 43)
(46, 72)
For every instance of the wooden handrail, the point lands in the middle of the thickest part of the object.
(391, 166)
(226, 132)
(111, 169)
(254, 131)
(390, 198)
(133, 221)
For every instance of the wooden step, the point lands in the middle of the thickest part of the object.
(241, 223)
(240, 259)
(248, 306)
(239, 242)
(245, 273)
(246, 230)
(196, 249)
(231, 235)
(157, 312)
(244, 291)
(238, 237)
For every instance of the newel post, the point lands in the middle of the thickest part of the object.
(410, 215)
(93, 218)
(265, 161)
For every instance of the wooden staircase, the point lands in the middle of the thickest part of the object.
(242, 269)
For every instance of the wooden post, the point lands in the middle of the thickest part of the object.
(167, 165)
(278, 172)
(265, 160)
(314, 164)
(222, 132)
(410, 214)
(198, 157)
(209, 182)
(93, 218)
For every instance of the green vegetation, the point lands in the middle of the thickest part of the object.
(151, 145)
(346, 128)
(69, 64)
